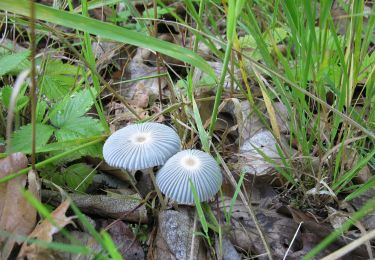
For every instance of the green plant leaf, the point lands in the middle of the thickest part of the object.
(108, 31)
(11, 62)
(79, 176)
(81, 127)
(72, 107)
(6, 94)
(58, 79)
(21, 139)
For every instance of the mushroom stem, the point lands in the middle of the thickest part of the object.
(158, 192)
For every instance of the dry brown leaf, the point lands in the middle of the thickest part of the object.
(17, 216)
(45, 230)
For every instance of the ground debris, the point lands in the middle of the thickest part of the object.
(17, 216)
(174, 239)
(45, 230)
(126, 207)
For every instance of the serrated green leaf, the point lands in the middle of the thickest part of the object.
(55, 87)
(79, 176)
(12, 61)
(21, 139)
(81, 127)
(72, 107)
(58, 79)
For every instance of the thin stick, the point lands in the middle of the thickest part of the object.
(158, 192)
(33, 83)
(291, 243)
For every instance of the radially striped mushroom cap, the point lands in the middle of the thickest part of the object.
(200, 167)
(141, 146)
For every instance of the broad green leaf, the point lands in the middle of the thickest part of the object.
(81, 127)
(21, 139)
(106, 30)
(72, 107)
(12, 61)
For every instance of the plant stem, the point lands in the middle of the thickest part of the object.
(160, 196)
(33, 83)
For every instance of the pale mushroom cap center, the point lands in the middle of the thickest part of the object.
(141, 138)
(191, 162)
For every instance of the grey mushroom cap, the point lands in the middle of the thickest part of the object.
(141, 146)
(200, 167)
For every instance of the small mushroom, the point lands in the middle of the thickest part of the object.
(141, 146)
(200, 167)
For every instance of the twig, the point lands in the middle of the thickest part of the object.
(291, 243)
(33, 83)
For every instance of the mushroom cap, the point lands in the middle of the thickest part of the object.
(141, 146)
(200, 167)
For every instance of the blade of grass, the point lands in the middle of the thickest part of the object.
(107, 30)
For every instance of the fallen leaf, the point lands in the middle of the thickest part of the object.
(45, 230)
(369, 220)
(244, 235)
(174, 236)
(17, 216)
(126, 242)
(252, 153)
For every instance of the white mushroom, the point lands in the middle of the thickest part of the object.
(141, 146)
(197, 166)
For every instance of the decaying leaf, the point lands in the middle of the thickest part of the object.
(174, 236)
(17, 216)
(369, 220)
(105, 53)
(126, 207)
(122, 116)
(254, 150)
(138, 88)
(126, 242)
(245, 117)
(244, 234)
(45, 230)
